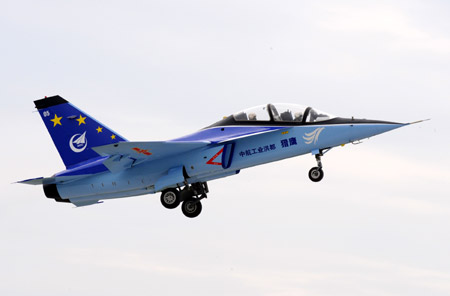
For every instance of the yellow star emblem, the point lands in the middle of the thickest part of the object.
(56, 120)
(113, 137)
(99, 130)
(81, 120)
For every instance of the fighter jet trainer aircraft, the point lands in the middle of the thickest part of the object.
(101, 164)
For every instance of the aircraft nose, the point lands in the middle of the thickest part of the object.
(365, 121)
(365, 128)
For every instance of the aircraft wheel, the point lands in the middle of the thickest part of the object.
(191, 207)
(315, 174)
(170, 198)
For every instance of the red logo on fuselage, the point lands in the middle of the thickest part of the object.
(142, 151)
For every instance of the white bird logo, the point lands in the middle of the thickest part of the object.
(313, 136)
(78, 145)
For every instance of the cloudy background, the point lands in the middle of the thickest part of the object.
(379, 222)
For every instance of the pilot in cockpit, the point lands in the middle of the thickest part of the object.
(313, 115)
(252, 116)
(286, 116)
(298, 116)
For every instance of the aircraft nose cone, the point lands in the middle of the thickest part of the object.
(365, 128)
(364, 121)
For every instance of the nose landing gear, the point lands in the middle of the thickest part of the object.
(316, 173)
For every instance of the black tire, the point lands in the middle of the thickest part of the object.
(315, 174)
(170, 198)
(191, 207)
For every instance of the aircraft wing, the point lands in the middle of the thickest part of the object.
(246, 134)
(218, 135)
(126, 154)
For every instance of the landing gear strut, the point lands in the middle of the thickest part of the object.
(316, 173)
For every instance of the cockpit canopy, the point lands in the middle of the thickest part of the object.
(282, 113)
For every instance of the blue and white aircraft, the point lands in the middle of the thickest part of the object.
(101, 164)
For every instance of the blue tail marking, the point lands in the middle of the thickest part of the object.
(74, 132)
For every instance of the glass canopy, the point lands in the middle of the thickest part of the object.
(282, 113)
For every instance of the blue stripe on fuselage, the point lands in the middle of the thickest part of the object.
(220, 134)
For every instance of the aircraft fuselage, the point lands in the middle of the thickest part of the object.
(102, 165)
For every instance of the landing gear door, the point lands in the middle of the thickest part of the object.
(227, 155)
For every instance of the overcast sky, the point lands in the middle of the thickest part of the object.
(378, 224)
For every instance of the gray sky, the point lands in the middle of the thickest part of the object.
(378, 224)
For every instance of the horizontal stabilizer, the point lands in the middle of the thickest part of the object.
(126, 154)
(35, 181)
(51, 180)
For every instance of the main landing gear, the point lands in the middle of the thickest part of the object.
(190, 197)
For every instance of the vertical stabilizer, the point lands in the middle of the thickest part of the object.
(73, 132)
